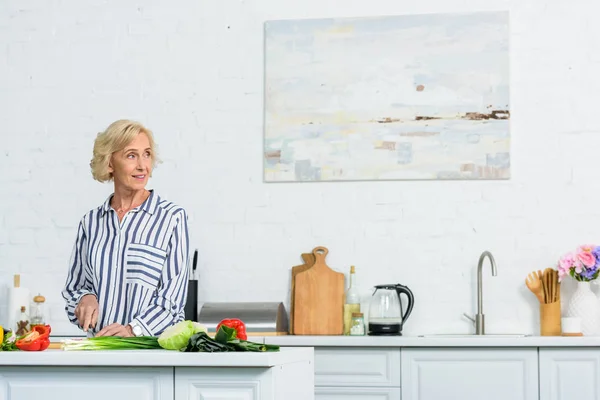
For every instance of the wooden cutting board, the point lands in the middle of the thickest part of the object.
(319, 299)
(309, 260)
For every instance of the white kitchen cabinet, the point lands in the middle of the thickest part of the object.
(90, 383)
(570, 373)
(357, 366)
(292, 381)
(470, 374)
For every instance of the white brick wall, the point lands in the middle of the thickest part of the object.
(192, 71)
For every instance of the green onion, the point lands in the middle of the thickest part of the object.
(112, 343)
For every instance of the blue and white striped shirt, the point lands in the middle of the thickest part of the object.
(137, 268)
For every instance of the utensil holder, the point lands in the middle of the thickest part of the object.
(550, 320)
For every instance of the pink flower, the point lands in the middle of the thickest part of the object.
(566, 262)
(586, 258)
(561, 274)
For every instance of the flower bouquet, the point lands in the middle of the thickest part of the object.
(583, 264)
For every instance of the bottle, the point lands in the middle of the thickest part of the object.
(358, 325)
(352, 301)
(37, 311)
(22, 326)
(17, 297)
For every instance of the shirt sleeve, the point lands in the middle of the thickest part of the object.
(77, 285)
(167, 307)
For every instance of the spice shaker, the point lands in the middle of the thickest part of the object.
(357, 326)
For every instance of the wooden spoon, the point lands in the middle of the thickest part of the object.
(534, 283)
(557, 285)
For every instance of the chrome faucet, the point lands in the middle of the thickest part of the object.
(479, 320)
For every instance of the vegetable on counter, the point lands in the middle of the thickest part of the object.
(225, 340)
(112, 343)
(237, 324)
(190, 337)
(177, 336)
(36, 340)
(8, 341)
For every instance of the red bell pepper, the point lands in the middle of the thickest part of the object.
(36, 340)
(237, 324)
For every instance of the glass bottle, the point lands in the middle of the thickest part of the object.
(22, 323)
(37, 311)
(358, 325)
(352, 303)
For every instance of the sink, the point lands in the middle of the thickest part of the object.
(472, 335)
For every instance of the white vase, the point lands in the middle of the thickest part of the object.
(584, 304)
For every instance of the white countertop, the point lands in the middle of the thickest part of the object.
(432, 341)
(151, 358)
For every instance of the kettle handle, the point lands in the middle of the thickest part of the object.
(411, 300)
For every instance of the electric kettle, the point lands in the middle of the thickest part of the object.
(385, 310)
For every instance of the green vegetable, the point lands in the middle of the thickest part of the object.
(226, 334)
(225, 340)
(201, 342)
(112, 343)
(176, 336)
(8, 341)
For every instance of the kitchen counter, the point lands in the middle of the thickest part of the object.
(432, 341)
(154, 358)
(157, 374)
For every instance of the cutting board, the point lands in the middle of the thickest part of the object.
(309, 260)
(319, 299)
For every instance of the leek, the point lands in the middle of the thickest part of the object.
(112, 343)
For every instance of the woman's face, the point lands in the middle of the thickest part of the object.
(132, 166)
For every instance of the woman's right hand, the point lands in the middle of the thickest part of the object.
(87, 312)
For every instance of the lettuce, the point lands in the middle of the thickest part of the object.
(177, 336)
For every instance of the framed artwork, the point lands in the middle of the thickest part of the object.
(409, 97)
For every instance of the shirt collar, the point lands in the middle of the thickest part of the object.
(149, 205)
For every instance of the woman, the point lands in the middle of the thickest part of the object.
(128, 274)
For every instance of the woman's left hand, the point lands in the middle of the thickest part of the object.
(116, 330)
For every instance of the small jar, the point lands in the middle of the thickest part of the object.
(22, 324)
(37, 311)
(357, 325)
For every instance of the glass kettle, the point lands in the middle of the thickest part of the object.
(386, 316)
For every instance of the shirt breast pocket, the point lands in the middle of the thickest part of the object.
(144, 265)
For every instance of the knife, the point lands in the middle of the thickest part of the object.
(194, 264)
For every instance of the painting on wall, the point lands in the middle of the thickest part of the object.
(411, 97)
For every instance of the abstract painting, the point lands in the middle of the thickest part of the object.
(410, 97)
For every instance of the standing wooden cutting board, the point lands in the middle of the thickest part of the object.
(309, 261)
(319, 299)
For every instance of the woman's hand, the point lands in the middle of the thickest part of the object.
(116, 330)
(87, 312)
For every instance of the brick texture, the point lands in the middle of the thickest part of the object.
(193, 72)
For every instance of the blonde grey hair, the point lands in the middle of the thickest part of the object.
(115, 138)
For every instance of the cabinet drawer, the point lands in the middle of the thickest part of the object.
(345, 366)
(356, 393)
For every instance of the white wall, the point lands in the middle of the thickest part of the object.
(193, 72)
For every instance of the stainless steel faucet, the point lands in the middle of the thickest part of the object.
(479, 318)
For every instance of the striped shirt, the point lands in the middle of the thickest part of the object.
(137, 268)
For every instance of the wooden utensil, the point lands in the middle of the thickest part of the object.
(309, 261)
(534, 283)
(551, 283)
(319, 299)
(557, 286)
